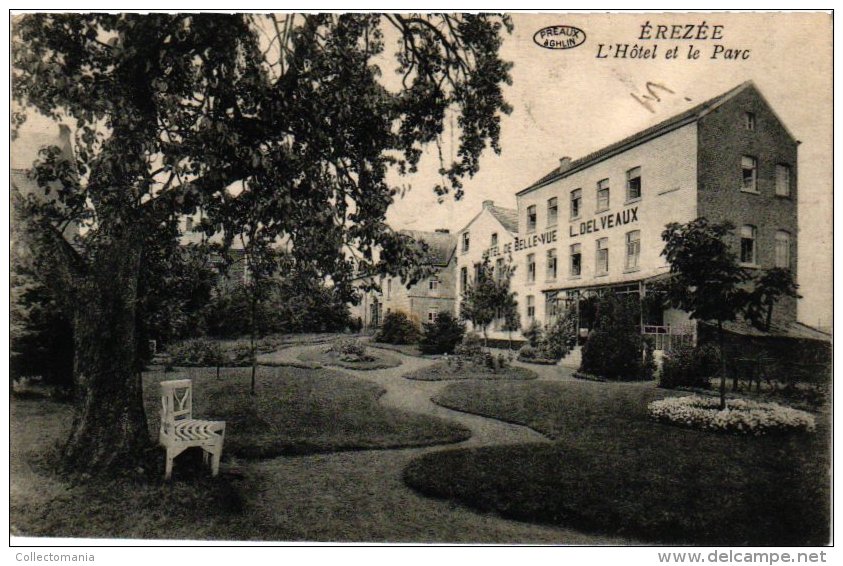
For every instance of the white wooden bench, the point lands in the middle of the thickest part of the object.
(180, 431)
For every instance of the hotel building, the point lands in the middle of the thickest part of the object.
(595, 223)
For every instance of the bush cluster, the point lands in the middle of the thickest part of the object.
(740, 415)
(397, 328)
(687, 366)
(615, 348)
(198, 352)
(552, 344)
(443, 335)
(351, 350)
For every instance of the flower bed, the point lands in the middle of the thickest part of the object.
(739, 416)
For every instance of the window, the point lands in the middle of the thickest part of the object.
(749, 174)
(463, 278)
(633, 184)
(431, 316)
(602, 256)
(477, 268)
(749, 121)
(188, 224)
(576, 260)
(531, 218)
(531, 307)
(531, 268)
(603, 195)
(551, 264)
(783, 249)
(552, 211)
(576, 203)
(433, 284)
(551, 308)
(499, 269)
(633, 249)
(748, 236)
(388, 288)
(494, 240)
(466, 241)
(783, 180)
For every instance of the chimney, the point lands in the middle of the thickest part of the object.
(564, 164)
(443, 231)
(488, 204)
(64, 142)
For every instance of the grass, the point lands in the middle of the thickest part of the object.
(611, 470)
(381, 360)
(296, 411)
(406, 349)
(443, 371)
(300, 411)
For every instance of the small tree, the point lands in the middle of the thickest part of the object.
(442, 335)
(484, 299)
(706, 280)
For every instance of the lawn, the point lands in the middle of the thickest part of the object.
(325, 356)
(443, 371)
(296, 411)
(300, 411)
(611, 470)
(406, 349)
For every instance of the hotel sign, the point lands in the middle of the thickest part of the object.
(598, 224)
(604, 222)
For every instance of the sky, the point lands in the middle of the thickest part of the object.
(570, 103)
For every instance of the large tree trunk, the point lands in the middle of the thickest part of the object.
(109, 428)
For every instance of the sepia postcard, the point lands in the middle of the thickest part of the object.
(422, 278)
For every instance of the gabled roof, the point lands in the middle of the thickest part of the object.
(691, 115)
(441, 245)
(507, 217)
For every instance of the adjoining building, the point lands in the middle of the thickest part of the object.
(490, 234)
(421, 302)
(595, 223)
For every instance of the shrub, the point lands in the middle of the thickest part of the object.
(198, 352)
(560, 337)
(397, 329)
(740, 415)
(442, 335)
(533, 333)
(351, 350)
(688, 366)
(470, 349)
(614, 349)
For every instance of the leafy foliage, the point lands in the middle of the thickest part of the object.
(708, 283)
(488, 297)
(397, 328)
(689, 366)
(275, 126)
(443, 335)
(614, 349)
(560, 337)
(534, 334)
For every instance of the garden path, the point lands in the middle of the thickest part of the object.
(360, 496)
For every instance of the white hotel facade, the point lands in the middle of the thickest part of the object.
(594, 224)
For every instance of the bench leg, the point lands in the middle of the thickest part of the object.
(168, 466)
(215, 461)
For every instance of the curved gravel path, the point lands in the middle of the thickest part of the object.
(360, 496)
